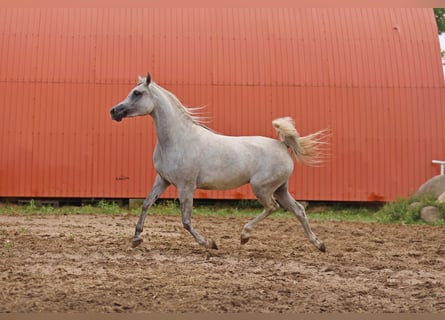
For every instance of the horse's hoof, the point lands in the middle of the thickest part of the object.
(136, 242)
(211, 245)
(244, 240)
(322, 247)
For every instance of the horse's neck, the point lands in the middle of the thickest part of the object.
(172, 125)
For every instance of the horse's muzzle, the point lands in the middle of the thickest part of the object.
(118, 112)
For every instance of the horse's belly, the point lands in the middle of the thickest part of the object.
(221, 181)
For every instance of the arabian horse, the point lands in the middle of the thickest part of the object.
(191, 156)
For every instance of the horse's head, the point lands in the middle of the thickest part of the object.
(139, 102)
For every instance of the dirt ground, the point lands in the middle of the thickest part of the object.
(86, 263)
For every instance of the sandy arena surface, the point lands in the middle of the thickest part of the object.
(85, 263)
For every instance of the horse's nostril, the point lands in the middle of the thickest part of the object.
(117, 113)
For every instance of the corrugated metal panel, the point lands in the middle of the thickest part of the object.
(371, 75)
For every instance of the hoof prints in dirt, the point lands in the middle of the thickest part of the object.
(87, 263)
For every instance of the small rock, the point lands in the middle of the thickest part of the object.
(415, 204)
(441, 198)
(430, 214)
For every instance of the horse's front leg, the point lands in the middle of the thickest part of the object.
(186, 202)
(159, 187)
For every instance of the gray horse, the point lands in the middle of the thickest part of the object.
(191, 156)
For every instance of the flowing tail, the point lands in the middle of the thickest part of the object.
(309, 150)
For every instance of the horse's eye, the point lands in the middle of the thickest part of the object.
(137, 93)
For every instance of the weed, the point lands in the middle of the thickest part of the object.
(47, 209)
(31, 206)
(22, 230)
(108, 207)
(171, 204)
(8, 245)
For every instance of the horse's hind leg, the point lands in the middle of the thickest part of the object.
(159, 187)
(269, 205)
(287, 202)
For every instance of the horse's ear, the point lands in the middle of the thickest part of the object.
(148, 79)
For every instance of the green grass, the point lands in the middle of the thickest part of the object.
(345, 214)
(102, 207)
(407, 210)
(243, 208)
(402, 211)
(251, 208)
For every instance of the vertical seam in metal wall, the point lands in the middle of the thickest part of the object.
(32, 182)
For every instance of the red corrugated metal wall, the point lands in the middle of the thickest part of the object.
(373, 76)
